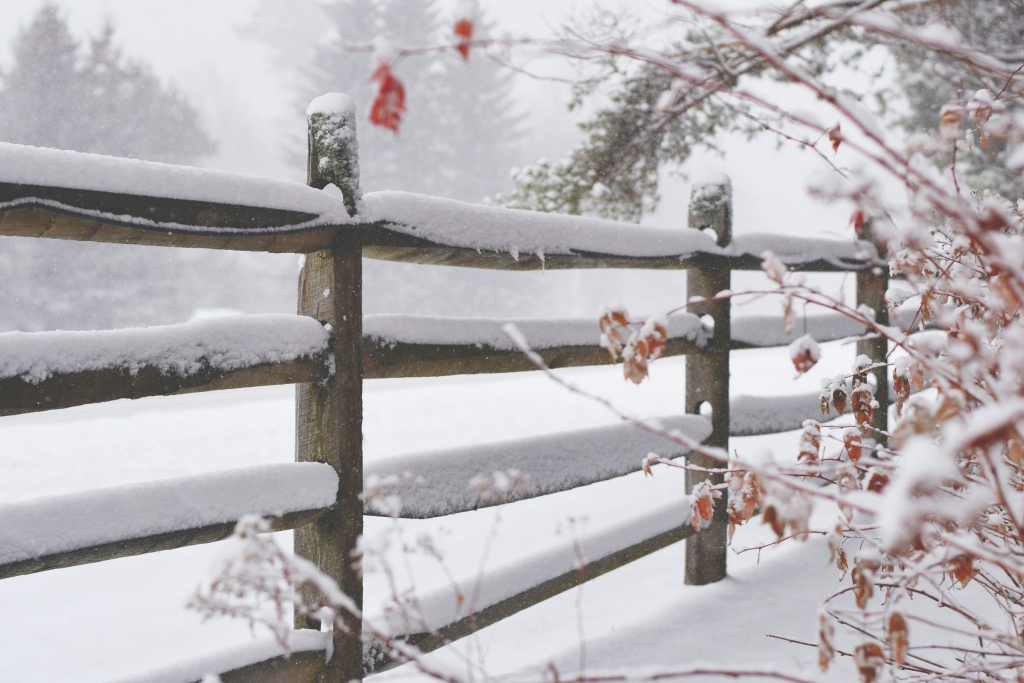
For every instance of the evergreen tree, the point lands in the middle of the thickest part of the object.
(646, 122)
(458, 137)
(42, 96)
(927, 81)
(476, 109)
(102, 103)
(133, 115)
(54, 96)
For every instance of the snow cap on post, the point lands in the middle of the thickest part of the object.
(333, 148)
(711, 207)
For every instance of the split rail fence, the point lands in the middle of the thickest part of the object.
(330, 348)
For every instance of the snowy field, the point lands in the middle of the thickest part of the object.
(121, 619)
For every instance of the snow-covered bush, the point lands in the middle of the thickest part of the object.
(929, 535)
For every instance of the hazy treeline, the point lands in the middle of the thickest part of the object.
(459, 140)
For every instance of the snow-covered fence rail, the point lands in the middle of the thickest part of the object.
(80, 528)
(51, 370)
(434, 346)
(535, 576)
(330, 348)
(433, 484)
(57, 194)
(427, 346)
(418, 229)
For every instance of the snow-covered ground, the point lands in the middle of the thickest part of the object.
(116, 620)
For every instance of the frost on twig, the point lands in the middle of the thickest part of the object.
(259, 582)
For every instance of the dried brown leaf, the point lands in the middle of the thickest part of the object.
(869, 659)
(896, 636)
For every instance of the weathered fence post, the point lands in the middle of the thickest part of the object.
(329, 414)
(871, 287)
(707, 375)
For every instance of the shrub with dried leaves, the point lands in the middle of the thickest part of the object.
(930, 509)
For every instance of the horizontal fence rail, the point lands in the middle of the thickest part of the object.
(330, 348)
(32, 216)
(604, 453)
(426, 346)
(67, 195)
(421, 229)
(758, 332)
(40, 371)
(66, 222)
(49, 370)
(435, 484)
(440, 617)
(260, 661)
(104, 524)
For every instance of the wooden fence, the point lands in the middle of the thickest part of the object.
(79, 201)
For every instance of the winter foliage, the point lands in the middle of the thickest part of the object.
(929, 81)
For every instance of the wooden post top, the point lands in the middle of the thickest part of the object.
(333, 147)
(711, 207)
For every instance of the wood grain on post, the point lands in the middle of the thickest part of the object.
(707, 376)
(329, 414)
(871, 287)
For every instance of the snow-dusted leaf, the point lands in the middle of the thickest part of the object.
(897, 636)
(805, 353)
(702, 504)
(826, 632)
(835, 137)
(870, 660)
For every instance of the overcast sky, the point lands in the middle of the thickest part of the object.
(200, 46)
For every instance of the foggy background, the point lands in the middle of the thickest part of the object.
(237, 74)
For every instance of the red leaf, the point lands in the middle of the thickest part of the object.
(805, 353)
(389, 104)
(863, 575)
(858, 221)
(852, 443)
(863, 404)
(465, 22)
(647, 344)
(810, 443)
(839, 398)
(876, 481)
(464, 33)
(835, 137)
(702, 504)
